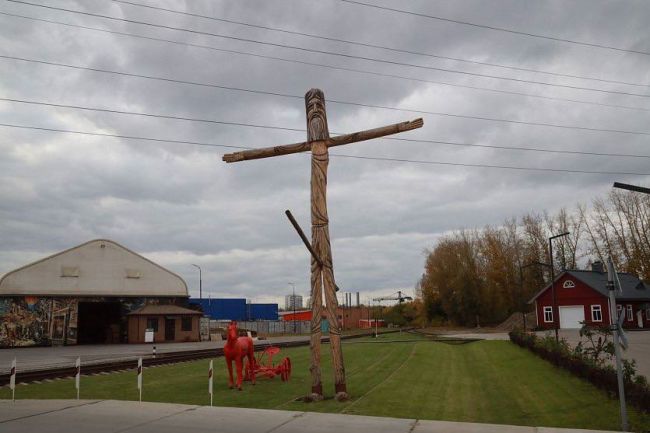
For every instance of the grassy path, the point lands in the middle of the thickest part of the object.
(487, 381)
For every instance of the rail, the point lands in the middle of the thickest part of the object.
(149, 361)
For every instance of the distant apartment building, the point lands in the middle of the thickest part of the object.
(293, 302)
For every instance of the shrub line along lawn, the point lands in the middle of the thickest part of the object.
(486, 381)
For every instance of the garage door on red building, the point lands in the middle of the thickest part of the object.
(570, 317)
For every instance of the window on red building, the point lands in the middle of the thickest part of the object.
(548, 314)
(630, 316)
(596, 313)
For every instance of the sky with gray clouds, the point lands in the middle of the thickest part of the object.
(179, 204)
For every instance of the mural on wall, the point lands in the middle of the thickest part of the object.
(38, 321)
(63, 328)
(24, 321)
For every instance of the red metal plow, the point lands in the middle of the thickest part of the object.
(263, 366)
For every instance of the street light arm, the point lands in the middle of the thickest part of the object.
(559, 236)
(634, 188)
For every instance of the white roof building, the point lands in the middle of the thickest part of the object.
(99, 267)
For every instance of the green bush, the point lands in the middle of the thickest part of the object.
(589, 361)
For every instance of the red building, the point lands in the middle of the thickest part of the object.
(583, 296)
(349, 317)
(299, 315)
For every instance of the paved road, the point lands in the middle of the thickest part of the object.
(99, 416)
(33, 358)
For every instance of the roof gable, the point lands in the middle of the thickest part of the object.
(100, 267)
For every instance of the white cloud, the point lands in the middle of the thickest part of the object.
(180, 204)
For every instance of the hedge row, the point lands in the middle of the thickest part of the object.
(637, 390)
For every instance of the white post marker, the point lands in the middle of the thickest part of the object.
(12, 380)
(140, 377)
(210, 377)
(77, 377)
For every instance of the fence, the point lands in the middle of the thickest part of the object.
(267, 326)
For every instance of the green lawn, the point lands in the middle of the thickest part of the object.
(487, 381)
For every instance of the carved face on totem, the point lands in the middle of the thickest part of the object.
(316, 115)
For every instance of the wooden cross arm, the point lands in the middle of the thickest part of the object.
(287, 149)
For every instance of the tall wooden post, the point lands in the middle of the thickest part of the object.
(322, 273)
(317, 135)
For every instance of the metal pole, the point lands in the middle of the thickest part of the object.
(556, 311)
(521, 294)
(293, 304)
(375, 322)
(200, 281)
(617, 347)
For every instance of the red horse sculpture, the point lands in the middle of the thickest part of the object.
(238, 348)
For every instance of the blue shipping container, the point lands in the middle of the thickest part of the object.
(262, 311)
(223, 308)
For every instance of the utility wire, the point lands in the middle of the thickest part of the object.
(320, 65)
(500, 29)
(412, 140)
(504, 167)
(433, 113)
(369, 45)
(158, 116)
(126, 137)
(332, 53)
(373, 158)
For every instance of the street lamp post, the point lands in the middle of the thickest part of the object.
(556, 312)
(200, 281)
(293, 304)
(521, 281)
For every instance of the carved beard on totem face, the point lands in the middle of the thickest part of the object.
(316, 116)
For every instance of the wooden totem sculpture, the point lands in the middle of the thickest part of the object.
(322, 274)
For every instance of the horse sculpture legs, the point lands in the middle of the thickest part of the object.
(238, 348)
(238, 357)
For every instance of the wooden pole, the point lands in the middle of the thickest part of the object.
(318, 135)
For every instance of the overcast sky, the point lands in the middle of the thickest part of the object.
(179, 204)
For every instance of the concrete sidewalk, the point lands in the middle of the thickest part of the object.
(98, 416)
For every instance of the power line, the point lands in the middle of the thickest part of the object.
(413, 161)
(504, 167)
(340, 68)
(412, 140)
(500, 29)
(369, 45)
(126, 137)
(433, 113)
(158, 116)
(332, 53)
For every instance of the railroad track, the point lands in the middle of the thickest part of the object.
(148, 361)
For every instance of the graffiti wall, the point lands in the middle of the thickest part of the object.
(41, 321)
(24, 321)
